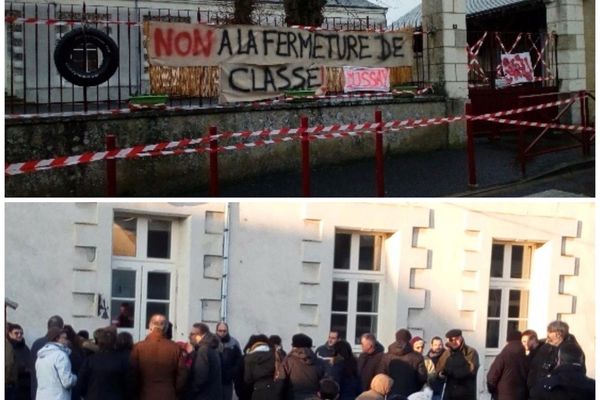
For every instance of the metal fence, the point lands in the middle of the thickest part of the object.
(33, 84)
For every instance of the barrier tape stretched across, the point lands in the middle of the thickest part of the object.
(218, 106)
(267, 137)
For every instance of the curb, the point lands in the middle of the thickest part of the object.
(573, 166)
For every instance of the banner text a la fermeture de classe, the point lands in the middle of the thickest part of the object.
(282, 58)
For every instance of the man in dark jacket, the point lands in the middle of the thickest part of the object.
(54, 321)
(23, 359)
(507, 378)
(370, 360)
(205, 374)
(157, 364)
(405, 366)
(567, 381)
(458, 365)
(546, 358)
(302, 370)
(232, 353)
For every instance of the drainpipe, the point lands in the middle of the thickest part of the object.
(225, 276)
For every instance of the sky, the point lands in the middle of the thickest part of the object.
(396, 8)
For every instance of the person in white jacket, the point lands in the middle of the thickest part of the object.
(53, 368)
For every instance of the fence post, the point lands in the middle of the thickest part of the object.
(379, 166)
(585, 135)
(213, 184)
(111, 167)
(305, 157)
(470, 146)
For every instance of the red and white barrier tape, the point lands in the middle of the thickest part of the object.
(62, 22)
(267, 137)
(533, 124)
(219, 106)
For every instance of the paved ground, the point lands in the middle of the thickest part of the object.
(436, 174)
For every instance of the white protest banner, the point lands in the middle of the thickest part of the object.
(259, 82)
(361, 79)
(517, 68)
(186, 45)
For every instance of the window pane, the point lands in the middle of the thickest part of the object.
(339, 301)
(159, 239)
(367, 297)
(497, 260)
(516, 262)
(124, 236)
(513, 325)
(341, 259)
(123, 284)
(492, 337)
(518, 304)
(369, 256)
(158, 285)
(122, 313)
(494, 303)
(156, 308)
(339, 322)
(365, 324)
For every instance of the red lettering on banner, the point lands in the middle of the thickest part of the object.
(160, 42)
(369, 79)
(184, 43)
(180, 39)
(517, 68)
(203, 46)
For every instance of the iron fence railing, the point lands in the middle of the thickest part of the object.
(33, 84)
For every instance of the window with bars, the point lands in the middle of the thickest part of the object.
(508, 297)
(357, 281)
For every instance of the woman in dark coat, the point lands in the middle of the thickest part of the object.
(259, 370)
(345, 371)
(507, 378)
(105, 375)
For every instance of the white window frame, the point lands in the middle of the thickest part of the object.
(143, 265)
(354, 276)
(505, 284)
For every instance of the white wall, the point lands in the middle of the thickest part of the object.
(281, 255)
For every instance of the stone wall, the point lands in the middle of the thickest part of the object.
(39, 139)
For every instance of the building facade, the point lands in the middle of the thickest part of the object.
(288, 267)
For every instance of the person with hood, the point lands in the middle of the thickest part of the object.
(205, 374)
(381, 385)
(23, 359)
(458, 365)
(54, 321)
(345, 370)
(369, 360)
(302, 369)
(53, 368)
(405, 366)
(507, 376)
(546, 356)
(242, 389)
(104, 375)
(568, 380)
(232, 353)
(260, 370)
(158, 369)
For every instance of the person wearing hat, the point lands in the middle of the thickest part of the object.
(458, 365)
(405, 366)
(507, 376)
(302, 370)
(53, 368)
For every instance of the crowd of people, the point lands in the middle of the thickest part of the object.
(65, 365)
